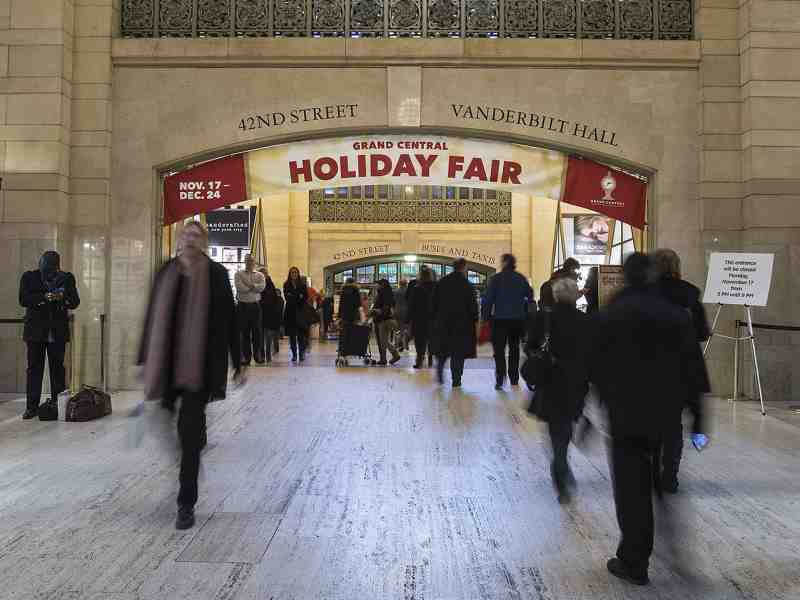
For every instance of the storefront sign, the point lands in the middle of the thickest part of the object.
(590, 235)
(360, 252)
(531, 120)
(228, 228)
(607, 191)
(610, 280)
(405, 160)
(204, 188)
(470, 254)
(737, 278)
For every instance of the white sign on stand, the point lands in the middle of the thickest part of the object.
(738, 278)
(743, 280)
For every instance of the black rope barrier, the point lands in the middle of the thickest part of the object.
(772, 327)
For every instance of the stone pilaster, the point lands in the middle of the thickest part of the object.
(770, 76)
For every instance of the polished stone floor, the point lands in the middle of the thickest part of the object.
(371, 483)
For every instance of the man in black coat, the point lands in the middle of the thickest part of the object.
(190, 332)
(455, 308)
(47, 294)
(644, 364)
(686, 296)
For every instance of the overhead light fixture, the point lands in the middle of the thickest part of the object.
(410, 258)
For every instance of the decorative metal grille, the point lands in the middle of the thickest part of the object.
(408, 204)
(620, 19)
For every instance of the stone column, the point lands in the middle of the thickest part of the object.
(770, 77)
(96, 21)
(720, 187)
(36, 40)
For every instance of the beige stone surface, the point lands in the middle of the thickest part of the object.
(773, 15)
(779, 64)
(35, 60)
(29, 109)
(404, 96)
(773, 113)
(38, 14)
(90, 115)
(93, 20)
(36, 205)
(720, 71)
(92, 67)
(721, 165)
(34, 157)
(90, 162)
(721, 117)
(718, 23)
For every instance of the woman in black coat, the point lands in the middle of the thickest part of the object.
(295, 295)
(271, 315)
(420, 314)
(562, 398)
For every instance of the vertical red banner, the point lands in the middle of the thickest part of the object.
(204, 188)
(607, 191)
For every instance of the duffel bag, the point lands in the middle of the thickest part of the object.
(88, 404)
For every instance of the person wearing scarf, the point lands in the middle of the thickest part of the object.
(190, 330)
(47, 294)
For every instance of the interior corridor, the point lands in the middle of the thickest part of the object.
(372, 483)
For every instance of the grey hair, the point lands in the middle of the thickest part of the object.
(565, 290)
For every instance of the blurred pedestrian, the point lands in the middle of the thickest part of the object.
(568, 269)
(686, 296)
(47, 294)
(383, 310)
(401, 298)
(295, 295)
(591, 291)
(281, 308)
(506, 303)
(420, 314)
(249, 285)
(643, 365)
(349, 312)
(271, 316)
(189, 332)
(455, 329)
(562, 395)
(326, 308)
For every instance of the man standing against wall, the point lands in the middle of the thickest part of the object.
(249, 285)
(47, 295)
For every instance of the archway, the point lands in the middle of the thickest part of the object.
(379, 166)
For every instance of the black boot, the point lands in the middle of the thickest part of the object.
(30, 413)
(619, 569)
(185, 518)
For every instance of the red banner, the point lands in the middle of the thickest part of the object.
(606, 191)
(204, 188)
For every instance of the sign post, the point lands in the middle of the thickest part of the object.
(739, 279)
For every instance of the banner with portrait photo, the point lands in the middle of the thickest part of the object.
(590, 235)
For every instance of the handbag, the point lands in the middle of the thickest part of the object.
(49, 410)
(88, 404)
(537, 370)
(307, 316)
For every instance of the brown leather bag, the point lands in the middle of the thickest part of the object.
(88, 404)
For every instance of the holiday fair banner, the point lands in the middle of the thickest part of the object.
(606, 191)
(405, 160)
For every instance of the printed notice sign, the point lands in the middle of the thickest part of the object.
(610, 280)
(738, 278)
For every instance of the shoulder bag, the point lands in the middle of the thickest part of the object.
(537, 370)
